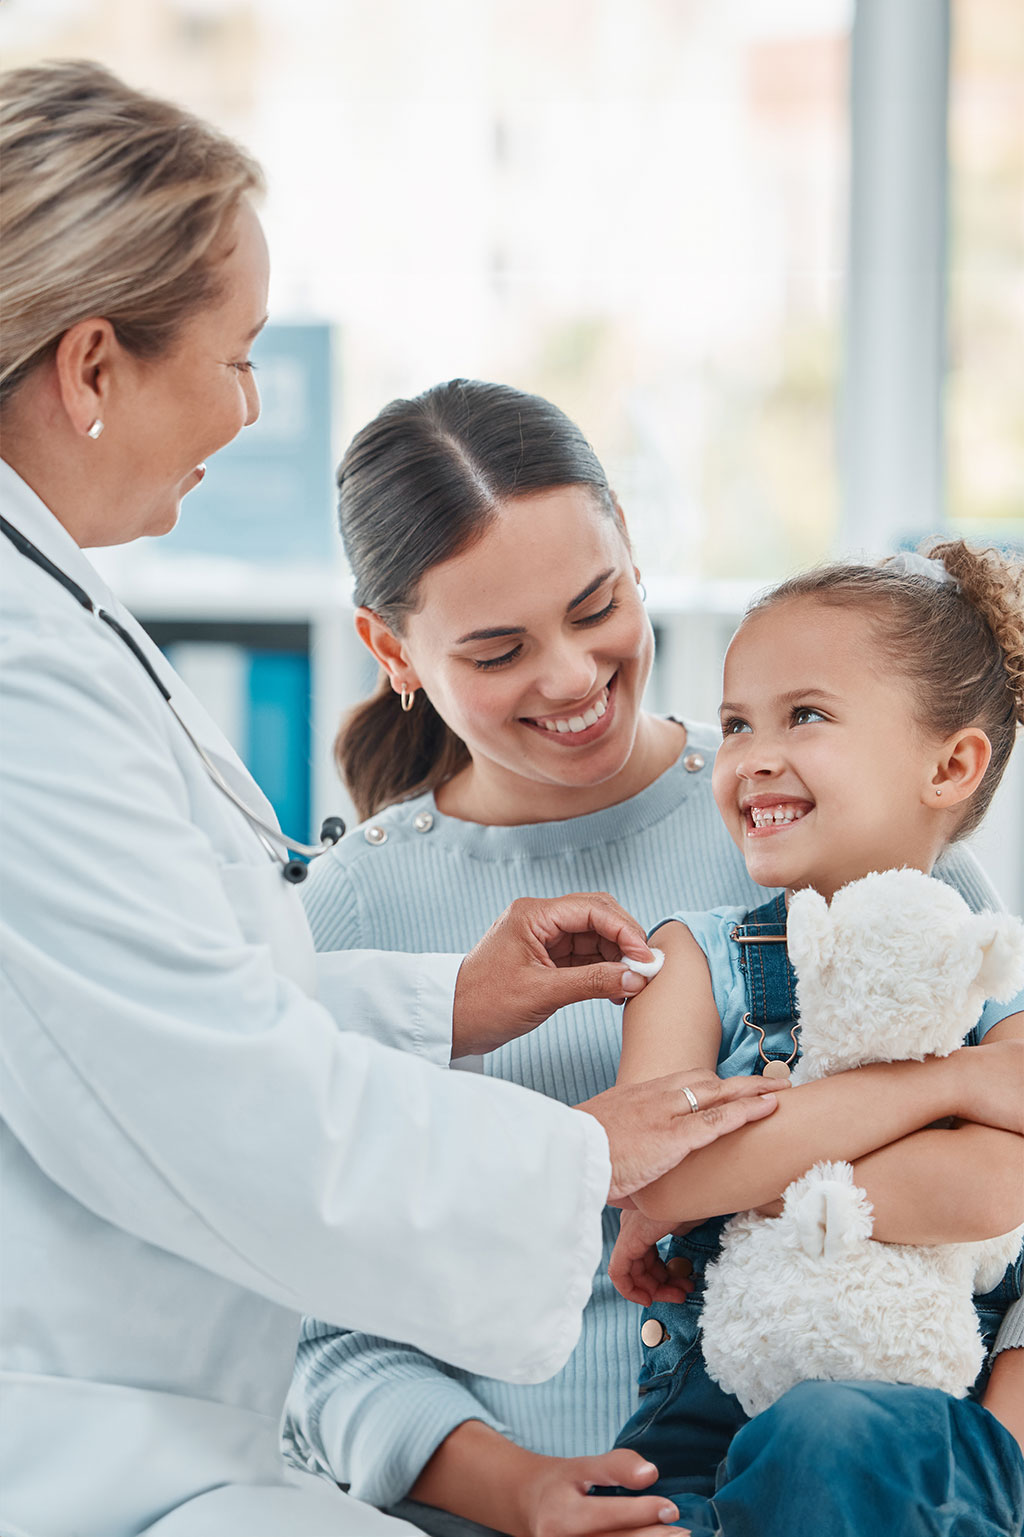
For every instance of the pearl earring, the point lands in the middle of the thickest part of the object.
(95, 430)
(938, 791)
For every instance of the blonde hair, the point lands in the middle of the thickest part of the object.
(113, 202)
(959, 644)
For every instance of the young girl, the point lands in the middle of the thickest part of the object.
(868, 716)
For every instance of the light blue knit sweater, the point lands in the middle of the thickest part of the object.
(369, 1412)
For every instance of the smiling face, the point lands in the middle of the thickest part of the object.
(174, 411)
(823, 775)
(534, 647)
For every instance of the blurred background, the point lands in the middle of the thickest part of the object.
(768, 253)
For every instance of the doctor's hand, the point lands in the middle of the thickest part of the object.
(542, 954)
(652, 1126)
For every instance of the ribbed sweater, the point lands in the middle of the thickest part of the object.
(371, 1413)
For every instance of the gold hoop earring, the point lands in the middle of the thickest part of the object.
(408, 698)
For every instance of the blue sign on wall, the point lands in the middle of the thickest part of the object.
(269, 495)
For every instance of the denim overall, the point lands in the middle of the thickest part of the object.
(828, 1459)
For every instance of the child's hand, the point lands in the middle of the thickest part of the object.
(637, 1270)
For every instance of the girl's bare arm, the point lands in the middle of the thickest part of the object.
(848, 1116)
(950, 1185)
(673, 1024)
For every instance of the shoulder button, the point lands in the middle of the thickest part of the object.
(693, 762)
(375, 834)
(423, 821)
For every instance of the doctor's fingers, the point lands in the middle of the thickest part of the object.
(586, 944)
(582, 927)
(652, 1126)
(532, 962)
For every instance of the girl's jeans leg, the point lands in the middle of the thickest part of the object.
(852, 1459)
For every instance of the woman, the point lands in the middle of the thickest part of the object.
(194, 1153)
(497, 590)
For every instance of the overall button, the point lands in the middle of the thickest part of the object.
(693, 762)
(423, 821)
(652, 1332)
(775, 1070)
(376, 834)
(680, 1266)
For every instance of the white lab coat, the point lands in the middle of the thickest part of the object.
(193, 1152)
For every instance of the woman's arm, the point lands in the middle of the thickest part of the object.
(1004, 1395)
(381, 1417)
(478, 1474)
(371, 1411)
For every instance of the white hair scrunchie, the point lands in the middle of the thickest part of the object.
(912, 564)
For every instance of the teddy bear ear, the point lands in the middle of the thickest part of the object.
(1000, 937)
(809, 930)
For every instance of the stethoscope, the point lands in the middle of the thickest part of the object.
(272, 838)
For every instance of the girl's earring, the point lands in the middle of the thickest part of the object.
(95, 430)
(641, 589)
(408, 698)
(938, 791)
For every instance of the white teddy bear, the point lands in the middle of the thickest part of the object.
(896, 969)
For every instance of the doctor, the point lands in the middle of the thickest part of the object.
(194, 1153)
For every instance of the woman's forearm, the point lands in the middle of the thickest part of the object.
(1004, 1394)
(843, 1117)
(478, 1474)
(952, 1185)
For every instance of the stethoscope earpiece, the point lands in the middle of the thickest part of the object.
(331, 829)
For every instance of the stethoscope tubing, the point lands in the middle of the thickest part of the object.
(273, 835)
(277, 845)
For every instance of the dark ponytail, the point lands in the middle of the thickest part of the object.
(418, 485)
(384, 753)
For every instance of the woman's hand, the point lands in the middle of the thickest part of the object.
(539, 956)
(652, 1126)
(477, 1474)
(637, 1270)
(555, 1501)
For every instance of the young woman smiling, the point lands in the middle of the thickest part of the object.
(507, 752)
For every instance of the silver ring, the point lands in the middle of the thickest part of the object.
(691, 1096)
